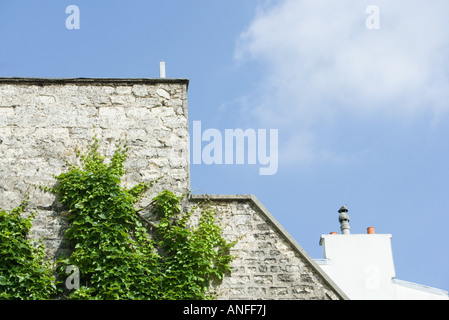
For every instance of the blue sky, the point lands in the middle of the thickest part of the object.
(362, 114)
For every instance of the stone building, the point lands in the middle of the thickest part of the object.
(41, 122)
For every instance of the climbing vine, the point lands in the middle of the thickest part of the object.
(24, 273)
(121, 254)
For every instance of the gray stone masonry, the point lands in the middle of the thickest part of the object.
(268, 263)
(42, 120)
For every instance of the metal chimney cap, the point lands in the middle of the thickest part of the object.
(343, 218)
(343, 214)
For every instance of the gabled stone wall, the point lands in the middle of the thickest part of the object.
(268, 263)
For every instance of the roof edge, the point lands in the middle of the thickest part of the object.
(49, 81)
(420, 287)
(252, 198)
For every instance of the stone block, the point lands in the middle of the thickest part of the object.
(263, 279)
(278, 291)
(163, 93)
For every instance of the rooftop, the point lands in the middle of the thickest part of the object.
(49, 81)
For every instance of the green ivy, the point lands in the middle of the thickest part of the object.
(24, 273)
(193, 257)
(121, 254)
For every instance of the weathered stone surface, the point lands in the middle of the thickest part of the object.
(266, 264)
(42, 120)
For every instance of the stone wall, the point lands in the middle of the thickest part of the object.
(42, 120)
(268, 262)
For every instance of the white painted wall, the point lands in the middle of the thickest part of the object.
(362, 266)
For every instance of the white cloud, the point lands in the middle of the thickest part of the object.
(323, 64)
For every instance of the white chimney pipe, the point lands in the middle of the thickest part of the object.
(162, 69)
